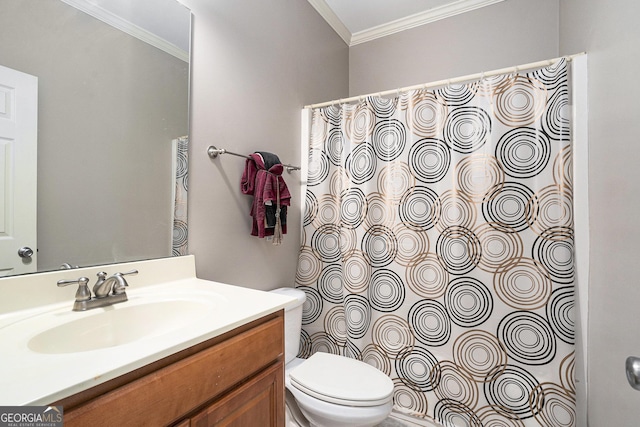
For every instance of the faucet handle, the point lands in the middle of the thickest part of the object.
(128, 273)
(83, 293)
(119, 286)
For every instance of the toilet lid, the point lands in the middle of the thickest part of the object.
(341, 380)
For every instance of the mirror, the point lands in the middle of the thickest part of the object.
(110, 106)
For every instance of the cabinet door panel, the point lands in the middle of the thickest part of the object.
(259, 402)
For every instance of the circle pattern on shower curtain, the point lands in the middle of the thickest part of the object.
(379, 211)
(429, 323)
(415, 366)
(417, 208)
(456, 95)
(567, 373)
(426, 114)
(508, 389)
(392, 334)
(468, 301)
(523, 152)
(459, 249)
(523, 284)
(554, 208)
(386, 292)
(438, 247)
(476, 174)
(375, 357)
(408, 399)
(389, 139)
(361, 163)
(411, 245)
(455, 384)
(528, 338)
(336, 326)
(563, 168)
(330, 284)
(510, 206)
(554, 250)
(312, 306)
(353, 208)
(479, 353)
(395, 181)
(499, 249)
(357, 312)
(466, 129)
(326, 241)
(454, 208)
(380, 244)
(427, 277)
(429, 160)
(554, 406)
(556, 120)
(381, 107)
(520, 101)
(560, 314)
(356, 271)
(359, 123)
(453, 413)
(334, 146)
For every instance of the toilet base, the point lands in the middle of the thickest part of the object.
(293, 416)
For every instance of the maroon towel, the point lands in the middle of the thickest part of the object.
(263, 184)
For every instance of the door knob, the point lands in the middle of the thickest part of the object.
(632, 366)
(25, 252)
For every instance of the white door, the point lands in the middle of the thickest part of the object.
(18, 163)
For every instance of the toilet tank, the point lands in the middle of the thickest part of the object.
(292, 321)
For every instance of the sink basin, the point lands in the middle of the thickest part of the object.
(118, 325)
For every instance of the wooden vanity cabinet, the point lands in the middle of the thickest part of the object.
(236, 379)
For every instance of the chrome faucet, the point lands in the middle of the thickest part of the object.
(107, 291)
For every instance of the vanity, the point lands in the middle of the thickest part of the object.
(180, 351)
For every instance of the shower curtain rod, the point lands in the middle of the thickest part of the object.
(214, 152)
(447, 81)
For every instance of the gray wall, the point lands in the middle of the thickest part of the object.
(501, 35)
(608, 31)
(255, 65)
(109, 106)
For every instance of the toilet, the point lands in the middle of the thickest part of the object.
(330, 390)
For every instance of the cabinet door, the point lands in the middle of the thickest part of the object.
(258, 402)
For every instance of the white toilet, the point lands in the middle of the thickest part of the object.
(331, 390)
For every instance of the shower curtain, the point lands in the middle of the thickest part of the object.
(438, 247)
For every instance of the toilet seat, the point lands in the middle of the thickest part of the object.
(341, 380)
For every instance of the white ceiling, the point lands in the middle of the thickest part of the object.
(358, 21)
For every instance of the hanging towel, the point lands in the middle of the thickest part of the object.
(262, 179)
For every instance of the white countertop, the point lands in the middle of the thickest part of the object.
(29, 377)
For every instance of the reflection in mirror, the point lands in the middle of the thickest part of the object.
(110, 110)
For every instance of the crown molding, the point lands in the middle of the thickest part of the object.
(129, 28)
(332, 19)
(412, 21)
(421, 18)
